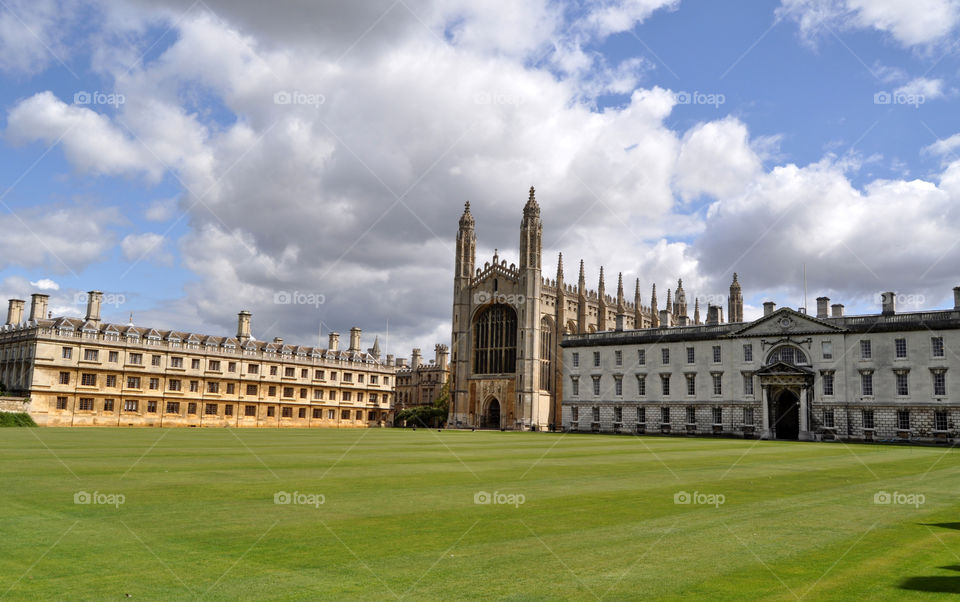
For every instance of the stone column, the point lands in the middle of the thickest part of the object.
(765, 410)
(804, 412)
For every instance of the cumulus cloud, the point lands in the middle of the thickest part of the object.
(929, 89)
(62, 239)
(716, 159)
(45, 284)
(147, 246)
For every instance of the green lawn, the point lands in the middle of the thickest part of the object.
(198, 516)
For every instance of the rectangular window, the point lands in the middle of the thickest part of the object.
(691, 384)
(112, 380)
(828, 419)
(939, 383)
(318, 374)
(868, 419)
(827, 385)
(232, 367)
(641, 356)
(347, 396)
(866, 384)
(173, 407)
(748, 384)
(251, 389)
(576, 359)
(154, 360)
(691, 355)
(154, 384)
(67, 353)
(272, 391)
(213, 387)
(716, 354)
(748, 352)
(108, 405)
(665, 356)
(151, 407)
(665, 384)
(228, 410)
(231, 387)
(130, 405)
(213, 365)
(195, 364)
(641, 386)
(61, 403)
(304, 372)
(114, 356)
(826, 350)
(936, 346)
(176, 362)
(331, 414)
(900, 348)
(596, 414)
(136, 359)
(192, 408)
(596, 359)
(333, 395)
(318, 394)
(88, 379)
(373, 379)
(575, 383)
(866, 351)
(373, 398)
(618, 414)
(303, 395)
(64, 378)
(345, 414)
(665, 415)
(903, 420)
(249, 410)
(717, 384)
(85, 404)
(618, 385)
(902, 388)
(271, 412)
(596, 385)
(940, 420)
(748, 416)
(210, 409)
(288, 391)
(253, 368)
(333, 376)
(348, 377)
(288, 372)
(91, 355)
(360, 378)
(618, 357)
(194, 386)
(642, 415)
(273, 370)
(133, 382)
(574, 413)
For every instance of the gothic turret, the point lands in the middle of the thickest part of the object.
(466, 246)
(637, 315)
(735, 302)
(654, 314)
(601, 304)
(531, 234)
(620, 300)
(696, 311)
(680, 301)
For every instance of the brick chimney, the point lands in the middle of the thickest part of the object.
(714, 315)
(94, 301)
(354, 340)
(823, 307)
(956, 298)
(837, 309)
(889, 303)
(334, 344)
(769, 307)
(38, 306)
(243, 326)
(15, 311)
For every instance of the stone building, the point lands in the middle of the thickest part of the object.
(419, 383)
(508, 321)
(787, 375)
(84, 372)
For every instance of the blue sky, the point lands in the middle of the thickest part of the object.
(666, 138)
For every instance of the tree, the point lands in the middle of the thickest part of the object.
(434, 415)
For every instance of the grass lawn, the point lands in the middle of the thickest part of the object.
(598, 517)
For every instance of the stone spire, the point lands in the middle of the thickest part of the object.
(466, 220)
(654, 314)
(582, 282)
(696, 310)
(466, 248)
(601, 289)
(620, 299)
(637, 315)
(531, 235)
(735, 302)
(669, 306)
(531, 209)
(375, 350)
(680, 301)
(560, 273)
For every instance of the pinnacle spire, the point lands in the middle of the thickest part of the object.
(620, 290)
(466, 220)
(560, 268)
(601, 287)
(696, 310)
(531, 209)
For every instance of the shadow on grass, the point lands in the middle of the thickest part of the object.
(943, 525)
(945, 584)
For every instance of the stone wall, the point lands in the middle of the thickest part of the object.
(14, 404)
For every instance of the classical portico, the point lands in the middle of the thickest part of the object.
(786, 401)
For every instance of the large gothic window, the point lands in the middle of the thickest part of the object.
(495, 341)
(546, 354)
(787, 354)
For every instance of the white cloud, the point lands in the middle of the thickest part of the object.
(161, 210)
(716, 159)
(929, 89)
(146, 246)
(59, 239)
(45, 284)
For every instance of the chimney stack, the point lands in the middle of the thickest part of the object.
(442, 353)
(666, 318)
(823, 305)
(415, 359)
(94, 300)
(38, 306)
(334, 342)
(619, 324)
(243, 326)
(390, 360)
(354, 340)
(768, 307)
(956, 298)
(714, 315)
(889, 302)
(837, 309)
(15, 311)
(278, 340)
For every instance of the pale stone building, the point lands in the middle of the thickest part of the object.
(508, 321)
(786, 375)
(83, 372)
(420, 383)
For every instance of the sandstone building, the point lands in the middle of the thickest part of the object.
(419, 383)
(83, 372)
(786, 375)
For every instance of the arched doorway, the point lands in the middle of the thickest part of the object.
(786, 416)
(491, 418)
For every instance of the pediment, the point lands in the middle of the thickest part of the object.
(783, 368)
(784, 322)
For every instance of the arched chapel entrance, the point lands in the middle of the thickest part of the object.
(491, 417)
